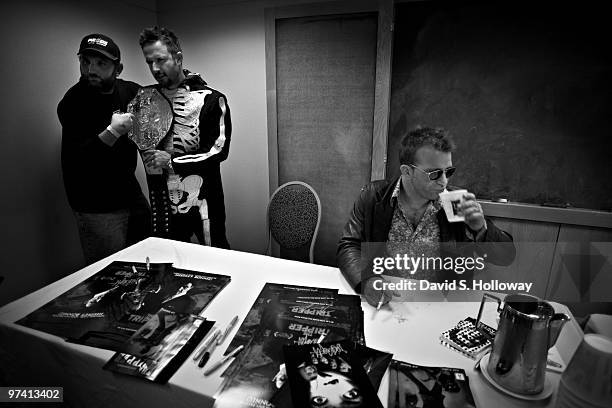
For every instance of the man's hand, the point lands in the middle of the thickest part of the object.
(121, 122)
(156, 159)
(472, 211)
(373, 295)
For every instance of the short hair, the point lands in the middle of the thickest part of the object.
(438, 138)
(166, 36)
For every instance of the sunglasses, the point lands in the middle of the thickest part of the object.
(436, 174)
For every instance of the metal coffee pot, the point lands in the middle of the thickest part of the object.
(528, 327)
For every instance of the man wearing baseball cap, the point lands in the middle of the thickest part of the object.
(98, 160)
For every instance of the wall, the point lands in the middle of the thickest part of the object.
(566, 263)
(325, 64)
(526, 90)
(39, 240)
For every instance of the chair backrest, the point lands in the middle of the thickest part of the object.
(294, 215)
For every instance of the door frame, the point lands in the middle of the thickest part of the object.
(382, 90)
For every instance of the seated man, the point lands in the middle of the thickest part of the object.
(406, 217)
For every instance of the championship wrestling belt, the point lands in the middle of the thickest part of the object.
(152, 121)
(152, 118)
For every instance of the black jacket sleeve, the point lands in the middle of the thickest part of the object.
(352, 263)
(72, 130)
(497, 244)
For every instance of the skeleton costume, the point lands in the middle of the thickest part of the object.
(189, 198)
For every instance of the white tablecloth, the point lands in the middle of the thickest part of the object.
(410, 330)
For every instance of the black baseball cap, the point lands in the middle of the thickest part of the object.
(101, 44)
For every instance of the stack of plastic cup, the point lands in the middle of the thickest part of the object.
(587, 380)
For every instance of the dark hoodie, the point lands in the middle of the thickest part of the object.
(98, 178)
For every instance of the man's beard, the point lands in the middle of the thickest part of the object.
(98, 83)
(163, 80)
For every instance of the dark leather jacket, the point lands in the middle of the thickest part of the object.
(370, 222)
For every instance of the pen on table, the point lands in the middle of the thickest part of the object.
(211, 347)
(205, 344)
(148, 261)
(380, 302)
(204, 359)
(228, 329)
(224, 359)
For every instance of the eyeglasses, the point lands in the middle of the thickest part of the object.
(436, 174)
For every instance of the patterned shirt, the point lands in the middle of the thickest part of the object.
(420, 241)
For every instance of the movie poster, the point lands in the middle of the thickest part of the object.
(411, 385)
(272, 290)
(328, 375)
(160, 346)
(374, 362)
(106, 309)
(258, 375)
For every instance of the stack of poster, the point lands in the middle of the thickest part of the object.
(145, 311)
(251, 323)
(284, 315)
(106, 309)
(412, 385)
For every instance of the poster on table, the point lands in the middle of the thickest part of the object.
(106, 309)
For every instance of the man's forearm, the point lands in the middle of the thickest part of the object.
(351, 263)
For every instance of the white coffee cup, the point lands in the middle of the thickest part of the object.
(450, 202)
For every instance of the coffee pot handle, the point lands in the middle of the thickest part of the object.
(482, 302)
(556, 323)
